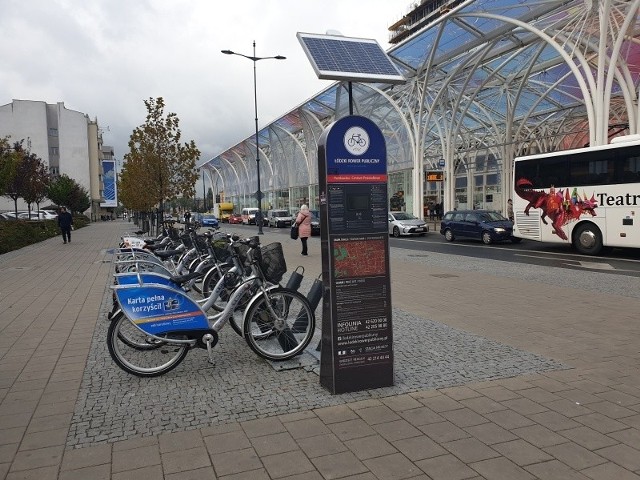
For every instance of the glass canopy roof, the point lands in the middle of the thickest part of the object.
(485, 75)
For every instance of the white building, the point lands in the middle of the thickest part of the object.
(68, 142)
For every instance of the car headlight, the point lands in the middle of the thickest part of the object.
(499, 230)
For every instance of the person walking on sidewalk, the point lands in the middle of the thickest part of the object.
(303, 220)
(65, 221)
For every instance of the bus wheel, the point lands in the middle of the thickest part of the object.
(587, 239)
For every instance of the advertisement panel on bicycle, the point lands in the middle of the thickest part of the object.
(158, 309)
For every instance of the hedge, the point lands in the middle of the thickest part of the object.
(15, 234)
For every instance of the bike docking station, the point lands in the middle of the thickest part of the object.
(357, 334)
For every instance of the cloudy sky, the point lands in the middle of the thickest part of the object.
(104, 57)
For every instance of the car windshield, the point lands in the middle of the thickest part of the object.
(209, 217)
(403, 216)
(491, 217)
(280, 214)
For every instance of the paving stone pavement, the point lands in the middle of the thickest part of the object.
(502, 372)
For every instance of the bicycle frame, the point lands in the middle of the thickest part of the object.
(151, 310)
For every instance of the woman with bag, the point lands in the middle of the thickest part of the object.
(303, 220)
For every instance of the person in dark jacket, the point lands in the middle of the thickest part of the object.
(65, 220)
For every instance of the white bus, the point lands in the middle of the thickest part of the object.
(588, 197)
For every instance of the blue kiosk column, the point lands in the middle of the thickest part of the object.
(357, 334)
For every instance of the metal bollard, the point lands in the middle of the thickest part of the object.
(314, 296)
(295, 280)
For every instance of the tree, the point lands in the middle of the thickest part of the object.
(158, 167)
(14, 183)
(9, 161)
(35, 171)
(66, 191)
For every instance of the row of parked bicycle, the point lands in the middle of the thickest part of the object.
(177, 291)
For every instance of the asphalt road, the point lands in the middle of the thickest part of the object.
(616, 262)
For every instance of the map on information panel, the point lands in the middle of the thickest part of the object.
(358, 258)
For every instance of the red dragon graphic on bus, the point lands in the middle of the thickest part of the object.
(559, 206)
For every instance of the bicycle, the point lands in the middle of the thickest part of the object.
(157, 325)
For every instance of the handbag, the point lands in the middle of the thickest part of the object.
(294, 231)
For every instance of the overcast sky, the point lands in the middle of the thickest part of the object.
(104, 57)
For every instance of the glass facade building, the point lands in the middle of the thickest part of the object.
(487, 80)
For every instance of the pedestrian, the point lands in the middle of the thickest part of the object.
(187, 217)
(303, 220)
(65, 222)
(510, 209)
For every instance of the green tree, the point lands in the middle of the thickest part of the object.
(13, 182)
(35, 171)
(64, 190)
(9, 161)
(158, 166)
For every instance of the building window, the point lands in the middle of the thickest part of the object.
(53, 132)
(54, 150)
(54, 170)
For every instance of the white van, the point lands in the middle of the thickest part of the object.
(279, 218)
(249, 216)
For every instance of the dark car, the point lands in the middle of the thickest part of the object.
(485, 225)
(315, 224)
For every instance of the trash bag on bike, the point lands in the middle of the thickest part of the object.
(158, 309)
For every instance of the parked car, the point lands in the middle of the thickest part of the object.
(12, 215)
(209, 220)
(279, 218)
(31, 216)
(49, 214)
(315, 224)
(235, 218)
(249, 215)
(403, 223)
(485, 225)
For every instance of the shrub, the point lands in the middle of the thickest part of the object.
(15, 234)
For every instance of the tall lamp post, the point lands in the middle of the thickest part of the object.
(204, 194)
(254, 59)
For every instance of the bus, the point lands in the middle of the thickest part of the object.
(588, 197)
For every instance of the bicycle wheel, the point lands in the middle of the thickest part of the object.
(280, 324)
(132, 351)
(137, 340)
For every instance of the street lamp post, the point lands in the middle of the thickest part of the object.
(204, 194)
(254, 59)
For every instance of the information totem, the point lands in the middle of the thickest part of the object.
(357, 335)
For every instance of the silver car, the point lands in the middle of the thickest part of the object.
(403, 223)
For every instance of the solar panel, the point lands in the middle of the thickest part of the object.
(353, 59)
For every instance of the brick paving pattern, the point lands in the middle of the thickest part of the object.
(534, 373)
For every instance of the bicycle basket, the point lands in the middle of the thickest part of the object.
(272, 262)
(221, 249)
(174, 234)
(186, 239)
(202, 244)
(242, 250)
